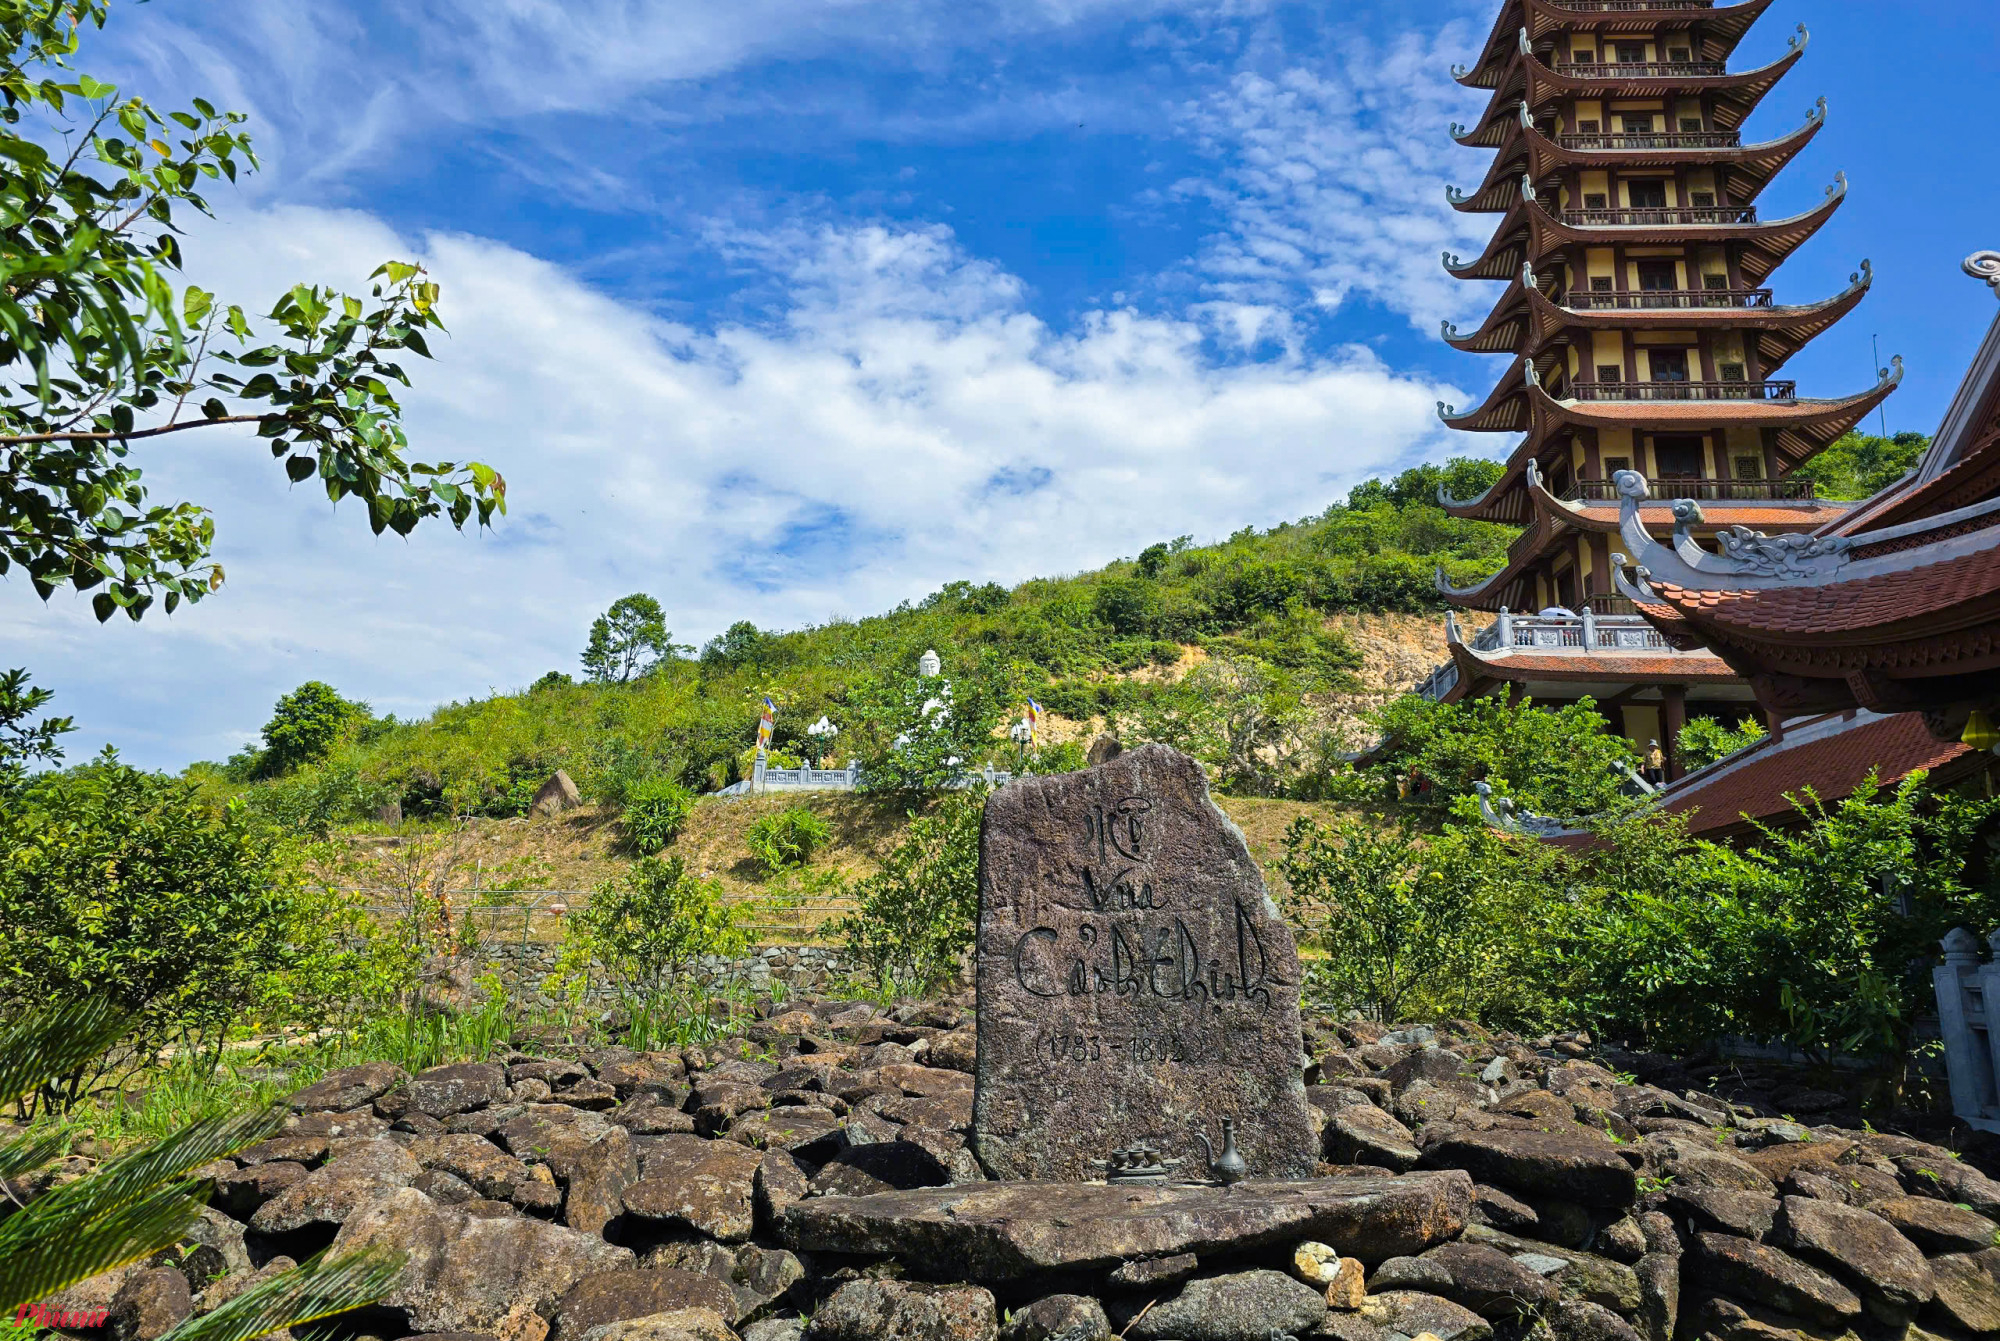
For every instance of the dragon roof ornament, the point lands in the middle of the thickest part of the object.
(1801, 42)
(1817, 112)
(1744, 553)
(1503, 814)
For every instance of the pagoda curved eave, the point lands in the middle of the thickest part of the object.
(1769, 515)
(1525, 665)
(1723, 27)
(1781, 331)
(1804, 428)
(1754, 164)
(1733, 96)
(1769, 244)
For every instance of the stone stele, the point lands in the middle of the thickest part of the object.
(1136, 982)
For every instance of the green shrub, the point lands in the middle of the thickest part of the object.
(305, 724)
(788, 838)
(124, 885)
(1704, 740)
(1063, 757)
(644, 929)
(655, 810)
(1551, 761)
(314, 800)
(916, 916)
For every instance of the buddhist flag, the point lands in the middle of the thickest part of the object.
(766, 723)
(1034, 717)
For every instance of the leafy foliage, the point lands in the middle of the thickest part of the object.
(916, 916)
(1819, 934)
(1704, 740)
(127, 885)
(627, 641)
(646, 927)
(305, 724)
(100, 350)
(928, 730)
(132, 1207)
(787, 839)
(1552, 761)
(23, 741)
(1861, 464)
(1407, 919)
(655, 810)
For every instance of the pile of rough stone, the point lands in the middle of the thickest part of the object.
(1473, 1186)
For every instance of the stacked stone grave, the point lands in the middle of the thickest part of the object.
(828, 1172)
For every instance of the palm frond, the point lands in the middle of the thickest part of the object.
(54, 1040)
(29, 1152)
(315, 1290)
(41, 1252)
(186, 1150)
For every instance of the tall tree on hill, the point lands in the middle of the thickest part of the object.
(305, 724)
(628, 640)
(101, 348)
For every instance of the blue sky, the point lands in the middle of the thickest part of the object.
(792, 309)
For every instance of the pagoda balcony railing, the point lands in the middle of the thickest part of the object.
(1642, 69)
(1606, 624)
(1587, 632)
(1603, 391)
(1667, 488)
(1661, 218)
(1643, 300)
(1674, 139)
(1627, 6)
(1438, 683)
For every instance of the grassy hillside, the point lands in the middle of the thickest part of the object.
(522, 869)
(1233, 650)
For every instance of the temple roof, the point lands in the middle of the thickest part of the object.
(1831, 757)
(1962, 466)
(1718, 30)
(1580, 667)
(1530, 231)
(1530, 153)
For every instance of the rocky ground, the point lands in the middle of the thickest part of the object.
(1474, 1187)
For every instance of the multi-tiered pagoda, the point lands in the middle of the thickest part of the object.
(1634, 252)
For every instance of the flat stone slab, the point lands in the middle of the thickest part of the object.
(993, 1233)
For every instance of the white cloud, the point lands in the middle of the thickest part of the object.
(904, 420)
(1332, 181)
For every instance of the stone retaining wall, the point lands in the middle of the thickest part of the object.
(523, 966)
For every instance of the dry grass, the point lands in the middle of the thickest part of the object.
(546, 863)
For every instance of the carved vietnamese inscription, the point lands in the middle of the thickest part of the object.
(1136, 982)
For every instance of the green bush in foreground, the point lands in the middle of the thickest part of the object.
(644, 930)
(916, 916)
(126, 885)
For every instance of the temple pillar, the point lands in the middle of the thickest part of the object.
(1673, 716)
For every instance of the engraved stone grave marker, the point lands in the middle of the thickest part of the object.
(1136, 982)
